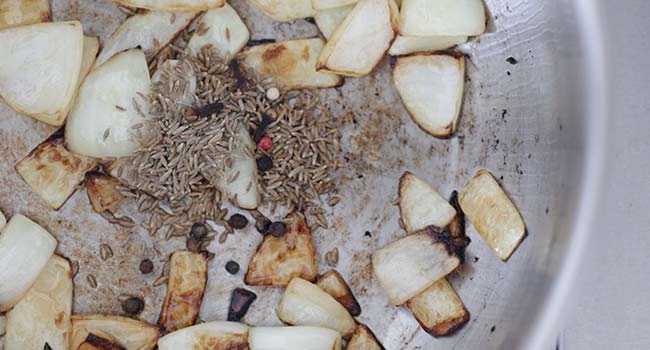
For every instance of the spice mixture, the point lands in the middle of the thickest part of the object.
(192, 138)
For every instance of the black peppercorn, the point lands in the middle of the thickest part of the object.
(133, 305)
(278, 229)
(198, 231)
(238, 221)
(146, 266)
(232, 267)
(262, 225)
(264, 163)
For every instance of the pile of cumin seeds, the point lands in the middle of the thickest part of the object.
(305, 154)
(173, 174)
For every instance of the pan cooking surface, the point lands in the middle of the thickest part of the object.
(514, 122)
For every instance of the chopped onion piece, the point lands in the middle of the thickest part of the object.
(131, 334)
(304, 304)
(226, 32)
(91, 47)
(40, 76)
(421, 205)
(103, 191)
(293, 338)
(364, 339)
(361, 40)
(330, 19)
(291, 64)
(26, 247)
(52, 171)
(102, 119)
(408, 266)
(207, 336)
(43, 314)
(329, 4)
(244, 190)
(442, 17)
(23, 12)
(493, 215)
(333, 284)
(279, 259)
(188, 276)
(431, 87)
(285, 10)
(404, 45)
(438, 309)
(151, 31)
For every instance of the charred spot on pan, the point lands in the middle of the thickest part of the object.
(512, 60)
(255, 42)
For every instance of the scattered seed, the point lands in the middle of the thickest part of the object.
(105, 251)
(332, 257)
(333, 201)
(160, 281)
(107, 132)
(120, 108)
(232, 267)
(223, 237)
(146, 266)
(92, 281)
(74, 268)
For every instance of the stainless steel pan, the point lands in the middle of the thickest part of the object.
(531, 115)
